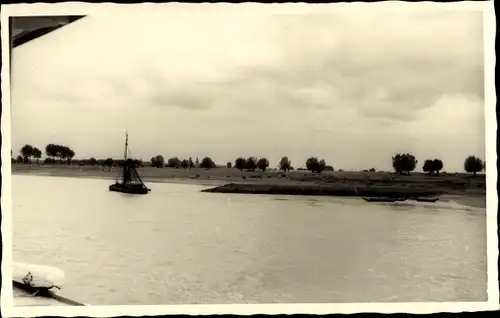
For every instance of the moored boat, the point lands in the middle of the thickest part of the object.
(129, 188)
(129, 180)
(383, 199)
(432, 200)
(36, 285)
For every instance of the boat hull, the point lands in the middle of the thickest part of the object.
(35, 285)
(426, 200)
(383, 199)
(129, 189)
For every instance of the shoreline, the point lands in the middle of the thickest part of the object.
(200, 182)
(338, 183)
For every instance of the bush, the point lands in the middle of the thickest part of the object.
(207, 163)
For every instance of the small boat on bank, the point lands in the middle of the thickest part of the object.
(36, 285)
(383, 199)
(129, 180)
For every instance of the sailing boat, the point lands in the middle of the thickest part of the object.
(129, 180)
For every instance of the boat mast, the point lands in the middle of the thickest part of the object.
(126, 144)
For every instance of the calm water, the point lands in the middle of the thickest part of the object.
(177, 245)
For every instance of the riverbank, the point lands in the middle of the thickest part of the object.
(350, 183)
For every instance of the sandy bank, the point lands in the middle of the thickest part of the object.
(225, 180)
(324, 190)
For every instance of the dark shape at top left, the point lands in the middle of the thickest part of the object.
(25, 29)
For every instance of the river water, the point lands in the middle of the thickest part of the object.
(177, 245)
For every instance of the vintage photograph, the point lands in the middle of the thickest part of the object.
(247, 154)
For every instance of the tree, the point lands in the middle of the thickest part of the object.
(262, 164)
(130, 162)
(207, 163)
(438, 165)
(174, 162)
(92, 161)
(240, 163)
(51, 151)
(329, 168)
(229, 165)
(184, 163)
(37, 154)
(251, 163)
(62, 152)
(431, 166)
(59, 151)
(108, 162)
(404, 163)
(138, 163)
(157, 161)
(68, 154)
(191, 163)
(285, 164)
(372, 170)
(428, 166)
(315, 165)
(473, 164)
(19, 159)
(27, 152)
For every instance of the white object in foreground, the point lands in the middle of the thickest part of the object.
(37, 276)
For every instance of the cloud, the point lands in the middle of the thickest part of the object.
(248, 82)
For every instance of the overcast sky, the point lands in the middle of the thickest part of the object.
(229, 81)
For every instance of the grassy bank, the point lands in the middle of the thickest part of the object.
(460, 187)
(454, 184)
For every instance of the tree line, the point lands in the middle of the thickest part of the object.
(158, 161)
(53, 152)
(405, 163)
(402, 163)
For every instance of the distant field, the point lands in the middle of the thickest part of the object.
(456, 181)
(464, 188)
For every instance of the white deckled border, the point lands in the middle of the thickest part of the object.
(490, 100)
(81, 8)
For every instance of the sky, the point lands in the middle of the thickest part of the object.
(229, 81)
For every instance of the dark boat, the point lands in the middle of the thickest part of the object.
(432, 200)
(383, 199)
(129, 180)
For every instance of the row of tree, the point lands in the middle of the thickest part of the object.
(53, 151)
(402, 163)
(174, 162)
(405, 163)
(252, 163)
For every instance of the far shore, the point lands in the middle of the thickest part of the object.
(465, 188)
